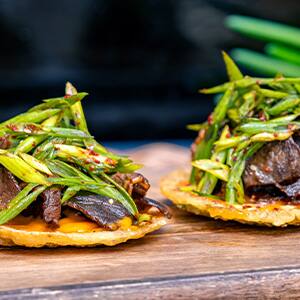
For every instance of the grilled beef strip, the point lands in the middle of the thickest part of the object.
(137, 186)
(9, 187)
(107, 212)
(102, 210)
(51, 206)
(275, 168)
(144, 204)
(134, 183)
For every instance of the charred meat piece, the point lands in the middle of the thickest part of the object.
(144, 204)
(9, 187)
(137, 186)
(276, 165)
(292, 190)
(100, 209)
(134, 183)
(51, 206)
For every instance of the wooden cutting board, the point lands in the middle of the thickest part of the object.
(192, 257)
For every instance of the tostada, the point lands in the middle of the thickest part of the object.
(60, 187)
(245, 162)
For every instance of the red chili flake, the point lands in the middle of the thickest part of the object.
(275, 134)
(67, 96)
(92, 168)
(210, 119)
(92, 152)
(228, 135)
(87, 161)
(110, 161)
(31, 127)
(217, 160)
(247, 206)
(276, 208)
(234, 158)
(202, 134)
(12, 127)
(267, 169)
(262, 116)
(96, 161)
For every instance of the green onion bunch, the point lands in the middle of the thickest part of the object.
(50, 144)
(250, 113)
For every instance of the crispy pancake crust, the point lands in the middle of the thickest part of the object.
(13, 237)
(267, 214)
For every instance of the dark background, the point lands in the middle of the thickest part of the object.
(141, 61)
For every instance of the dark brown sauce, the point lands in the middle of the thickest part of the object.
(264, 199)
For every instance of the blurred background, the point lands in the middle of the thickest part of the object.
(141, 61)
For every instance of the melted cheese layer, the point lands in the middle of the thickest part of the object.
(71, 223)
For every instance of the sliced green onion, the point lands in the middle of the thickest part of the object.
(22, 170)
(35, 163)
(20, 202)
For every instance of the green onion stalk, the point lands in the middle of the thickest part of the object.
(282, 53)
(251, 112)
(50, 145)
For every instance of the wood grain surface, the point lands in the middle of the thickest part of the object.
(191, 257)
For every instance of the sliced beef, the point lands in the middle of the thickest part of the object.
(9, 187)
(134, 183)
(51, 206)
(292, 190)
(144, 204)
(277, 165)
(102, 210)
